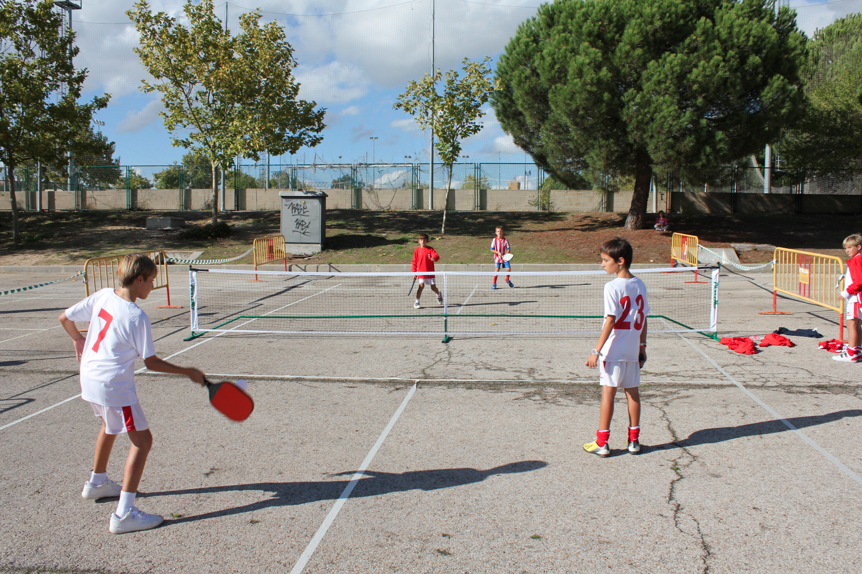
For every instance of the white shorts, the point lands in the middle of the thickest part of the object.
(621, 374)
(852, 310)
(121, 419)
(429, 281)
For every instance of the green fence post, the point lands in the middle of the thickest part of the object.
(181, 200)
(236, 180)
(414, 186)
(129, 205)
(476, 187)
(353, 187)
(27, 205)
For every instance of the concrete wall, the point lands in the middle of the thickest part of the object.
(699, 202)
(459, 200)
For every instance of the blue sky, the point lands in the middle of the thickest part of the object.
(355, 57)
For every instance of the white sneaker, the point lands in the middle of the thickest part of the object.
(105, 490)
(416, 304)
(440, 299)
(133, 521)
(848, 356)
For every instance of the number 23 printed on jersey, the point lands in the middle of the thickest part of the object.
(623, 323)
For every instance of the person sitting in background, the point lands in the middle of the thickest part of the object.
(661, 222)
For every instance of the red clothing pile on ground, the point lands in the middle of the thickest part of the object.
(423, 260)
(832, 345)
(742, 345)
(779, 340)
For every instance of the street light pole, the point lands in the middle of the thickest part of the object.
(372, 147)
(373, 175)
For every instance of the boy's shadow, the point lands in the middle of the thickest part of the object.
(372, 484)
(722, 434)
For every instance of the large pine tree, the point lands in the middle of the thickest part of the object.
(624, 86)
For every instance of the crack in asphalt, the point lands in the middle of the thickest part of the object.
(678, 465)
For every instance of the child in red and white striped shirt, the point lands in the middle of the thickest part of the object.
(500, 246)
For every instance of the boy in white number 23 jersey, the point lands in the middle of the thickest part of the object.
(119, 333)
(621, 350)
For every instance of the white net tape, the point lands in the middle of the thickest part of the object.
(725, 261)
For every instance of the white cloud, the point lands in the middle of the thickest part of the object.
(351, 111)
(360, 132)
(502, 144)
(331, 83)
(136, 121)
(408, 125)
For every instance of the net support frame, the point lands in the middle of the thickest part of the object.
(447, 313)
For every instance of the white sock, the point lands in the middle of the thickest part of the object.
(417, 300)
(98, 478)
(127, 501)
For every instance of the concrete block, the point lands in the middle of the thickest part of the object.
(165, 223)
(721, 255)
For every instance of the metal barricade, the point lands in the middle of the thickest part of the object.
(101, 272)
(811, 277)
(269, 250)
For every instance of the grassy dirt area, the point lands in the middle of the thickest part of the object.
(383, 237)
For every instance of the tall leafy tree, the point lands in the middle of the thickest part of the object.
(41, 118)
(828, 140)
(453, 114)
(236, 94)
(94, 163)
(625, 86)
(196, 168)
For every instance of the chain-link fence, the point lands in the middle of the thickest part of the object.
(379, 186)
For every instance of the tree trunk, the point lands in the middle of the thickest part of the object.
(10, 174)
(643, 174)
(446, 201)
(215, 194)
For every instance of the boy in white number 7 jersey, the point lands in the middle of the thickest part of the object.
(119, 333)
(621, 349)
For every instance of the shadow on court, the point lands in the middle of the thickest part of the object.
(374, 484)
(722, 434)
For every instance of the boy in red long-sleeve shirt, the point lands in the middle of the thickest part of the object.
(853, 296)
(423, 260)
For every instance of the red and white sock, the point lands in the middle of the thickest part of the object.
(602, 437)
(634, 433)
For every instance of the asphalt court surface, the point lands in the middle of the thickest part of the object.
(481, 469)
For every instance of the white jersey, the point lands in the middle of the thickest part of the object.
(625, 300)
(119, 333)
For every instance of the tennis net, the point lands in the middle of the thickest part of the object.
(541, 303)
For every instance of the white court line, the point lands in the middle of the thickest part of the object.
(413, 379)
(330, 518)
(468, 298)
(144, 369)
(40, 412)
(772, 412)
(37, 331)
(34, 333)
(238, 326)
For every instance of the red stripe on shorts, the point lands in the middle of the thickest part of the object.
(129, 418)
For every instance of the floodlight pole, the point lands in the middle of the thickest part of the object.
(434, 87)
(68, 6)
